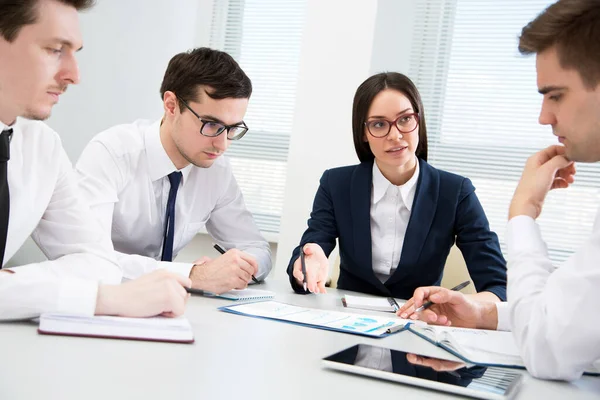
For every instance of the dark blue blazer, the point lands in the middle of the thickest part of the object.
(445, 210)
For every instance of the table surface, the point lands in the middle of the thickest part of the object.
(233, 356)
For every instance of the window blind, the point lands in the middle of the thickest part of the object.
(482, 108)
(264, 36)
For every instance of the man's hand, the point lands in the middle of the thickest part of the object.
(232, 270)
(317, 268)
(450, 308)
(545, 170)
(157, 293)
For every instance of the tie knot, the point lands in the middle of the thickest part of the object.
(5, 145)
(175, 178)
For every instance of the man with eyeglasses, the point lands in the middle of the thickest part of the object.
(155, 184)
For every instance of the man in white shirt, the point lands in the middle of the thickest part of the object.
(38, 190)
(155, 184)
(552, 312)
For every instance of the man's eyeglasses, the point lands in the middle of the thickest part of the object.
(406, 123)
(213, 129)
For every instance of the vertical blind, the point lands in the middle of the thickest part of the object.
(482, 107)
(264, 36)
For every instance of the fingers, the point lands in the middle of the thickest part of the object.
(321, 286)
(182, 280)
(297, 272)
(202, 260)
(407, 308)
(419, 296)
(543, 156)
(311, 276)
(251, 261)
(431, 316)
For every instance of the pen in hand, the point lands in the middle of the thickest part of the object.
(428, 304)
(303, 264)
(222, 251)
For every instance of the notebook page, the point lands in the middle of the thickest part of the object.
(481, 346)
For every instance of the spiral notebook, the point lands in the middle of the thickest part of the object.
(247, 295)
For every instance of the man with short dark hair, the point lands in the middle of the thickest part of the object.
(155, 184)
(553, 313)
(38, 191)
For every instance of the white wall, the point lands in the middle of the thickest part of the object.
(335, 59)
(127, 45)
(362, 38)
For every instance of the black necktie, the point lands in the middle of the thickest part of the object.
(167, 251)
(4, 194)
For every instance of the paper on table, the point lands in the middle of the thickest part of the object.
(156, 328)
(369, 303)
(341, 321)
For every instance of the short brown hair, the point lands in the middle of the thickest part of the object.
(573, 26)
(363, 98)
(15, 14)
(202, 66)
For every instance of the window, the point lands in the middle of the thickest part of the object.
(264, 36)
(482, 108)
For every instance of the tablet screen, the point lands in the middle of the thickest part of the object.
(495, 382)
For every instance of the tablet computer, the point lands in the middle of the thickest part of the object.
(475, 381)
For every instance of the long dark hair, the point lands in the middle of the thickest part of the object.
(363, 98)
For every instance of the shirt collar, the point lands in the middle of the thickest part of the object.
(159, 163)
(381, 185)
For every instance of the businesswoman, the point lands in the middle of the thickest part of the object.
(396, 216)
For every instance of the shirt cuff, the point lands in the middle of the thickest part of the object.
(503, 316)
(177, 267)
(77, 297)
(523, 234)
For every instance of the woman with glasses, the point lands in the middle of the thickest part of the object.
(395, 216)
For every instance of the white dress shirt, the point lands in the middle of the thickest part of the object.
(390, 212)
(553, 312)
(45, 203)
(124, 175)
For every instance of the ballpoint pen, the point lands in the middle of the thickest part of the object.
(393, 303)
(222, 251)
(303, 264)
(428, 304)
(395, 329)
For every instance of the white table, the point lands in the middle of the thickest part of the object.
(233, 357)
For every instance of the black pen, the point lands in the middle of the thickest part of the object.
(429, 303)
(393, 303)
(222, 251)
(195, 291)
(303, 264)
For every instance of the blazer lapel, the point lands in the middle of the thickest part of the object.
(360, 209)
(421, 218)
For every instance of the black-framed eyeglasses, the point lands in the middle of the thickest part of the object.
(406, 123)
(213, 128)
